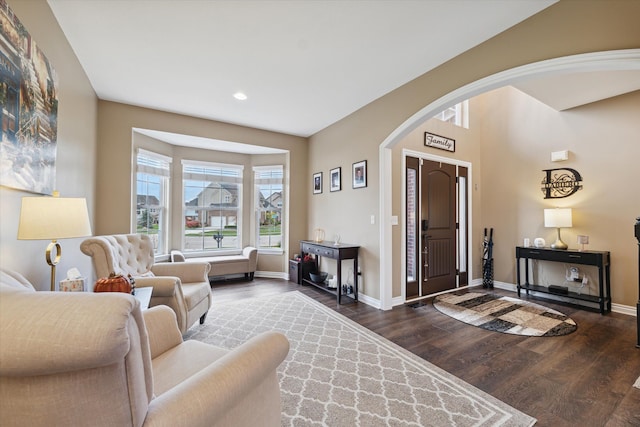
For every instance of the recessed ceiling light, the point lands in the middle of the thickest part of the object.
(240, 96)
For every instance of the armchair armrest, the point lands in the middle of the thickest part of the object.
(162, 328)
(209, 394)
(162, 286)
(188, 272)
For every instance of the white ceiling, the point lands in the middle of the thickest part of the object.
(304, 64)
(562, 92)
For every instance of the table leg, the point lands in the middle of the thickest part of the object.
(601, 289)
(339, 274)
(607, 276)
(518, 275)
(355, 279)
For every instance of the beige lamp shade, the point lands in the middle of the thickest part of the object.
(52, 218)
(557, 218)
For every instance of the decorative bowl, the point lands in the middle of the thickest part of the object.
(318, 277)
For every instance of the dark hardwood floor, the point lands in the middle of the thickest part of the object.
(582, 379)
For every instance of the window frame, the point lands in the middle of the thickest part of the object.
(457, 115)
(156, 165)
(189, 174)
(257, 208)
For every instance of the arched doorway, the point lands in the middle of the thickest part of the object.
(598, 61)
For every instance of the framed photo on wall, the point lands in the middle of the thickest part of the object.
(359, 174)
(317, 183)
(335, 179)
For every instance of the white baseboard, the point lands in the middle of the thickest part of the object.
(375, 303)
(615, 308)
(272, 275)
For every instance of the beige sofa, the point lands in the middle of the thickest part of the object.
(223, 265)
(86, 359)
(184, 288)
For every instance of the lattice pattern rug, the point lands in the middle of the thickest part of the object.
(504, 314)
(339, 373)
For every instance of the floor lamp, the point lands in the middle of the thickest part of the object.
(53, 218)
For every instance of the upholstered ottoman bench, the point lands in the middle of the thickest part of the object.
(223, 265)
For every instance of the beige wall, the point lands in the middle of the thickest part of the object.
(116, 162)
(566, 28)
(519, 135)
(509, 143)
(76, 151)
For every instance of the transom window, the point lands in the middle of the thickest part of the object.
(457, 115)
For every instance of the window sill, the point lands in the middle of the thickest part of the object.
(270, 251)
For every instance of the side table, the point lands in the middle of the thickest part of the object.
(144, 296)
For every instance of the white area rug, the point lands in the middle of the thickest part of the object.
(637, 383)
(339, 373)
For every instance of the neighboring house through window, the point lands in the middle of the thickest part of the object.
(152, 201)
(268, 182)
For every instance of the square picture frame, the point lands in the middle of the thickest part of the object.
(335, 179)
(359, 174)
(317, 183)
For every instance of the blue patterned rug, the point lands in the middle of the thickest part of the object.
(505, 314)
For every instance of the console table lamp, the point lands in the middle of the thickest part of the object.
(52, 218)
(558, 218)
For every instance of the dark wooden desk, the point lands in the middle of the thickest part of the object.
(338, 252)
(594, 258)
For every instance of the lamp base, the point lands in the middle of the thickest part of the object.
(559, 244)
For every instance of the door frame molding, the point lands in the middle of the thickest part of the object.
(403, 237)
(624, 59)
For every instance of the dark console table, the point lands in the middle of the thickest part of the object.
(338, 252)
(594, 258)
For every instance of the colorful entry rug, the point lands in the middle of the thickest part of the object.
(504, 314)
(339, 373)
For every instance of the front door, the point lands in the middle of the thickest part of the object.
(438, 188)
(434, 241)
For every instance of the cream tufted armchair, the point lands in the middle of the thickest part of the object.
(85, 359)
(183, 287)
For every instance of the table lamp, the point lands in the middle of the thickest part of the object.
(558, 218)
(52, 218)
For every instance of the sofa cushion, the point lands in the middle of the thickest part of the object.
(170, 370)
(222, 259)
